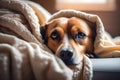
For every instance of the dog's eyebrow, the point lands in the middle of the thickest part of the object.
(56, 24)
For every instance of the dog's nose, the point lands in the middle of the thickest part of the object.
(66, 56)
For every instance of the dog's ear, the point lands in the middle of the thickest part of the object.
(43, 30)
(93, 28)
(90, 53)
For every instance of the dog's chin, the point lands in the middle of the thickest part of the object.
(71, 62)
(76, 67)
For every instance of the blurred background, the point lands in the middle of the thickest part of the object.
(107, 10)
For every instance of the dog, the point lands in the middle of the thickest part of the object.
(69, 38)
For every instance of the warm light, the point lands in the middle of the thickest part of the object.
(92, 5)
(84, 1)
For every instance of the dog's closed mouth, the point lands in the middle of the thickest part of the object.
(69, 61)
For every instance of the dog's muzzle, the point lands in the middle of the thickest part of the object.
(67, 56)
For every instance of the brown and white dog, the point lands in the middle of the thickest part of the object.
(69, 38)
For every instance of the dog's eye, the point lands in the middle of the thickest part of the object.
(79, 36)
(55, 35)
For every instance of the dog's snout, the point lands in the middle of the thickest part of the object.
(66, 55)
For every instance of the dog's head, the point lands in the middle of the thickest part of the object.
(68, 38)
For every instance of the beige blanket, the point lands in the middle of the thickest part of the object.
(23, 56)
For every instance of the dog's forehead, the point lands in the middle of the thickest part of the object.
(67, 24)
(58, 22)
(79, 24)
(61, 20)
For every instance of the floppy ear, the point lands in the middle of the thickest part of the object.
(90, 53)
(93, 28)
(43, 30)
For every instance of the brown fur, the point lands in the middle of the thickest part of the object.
(67, 28)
